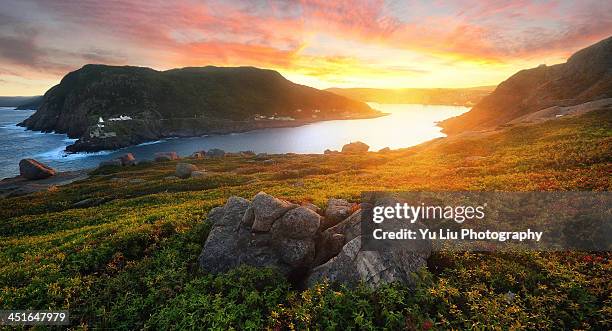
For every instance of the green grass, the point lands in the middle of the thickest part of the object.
(130, 263)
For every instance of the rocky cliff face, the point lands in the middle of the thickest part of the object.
(166, 103)
(586, 76)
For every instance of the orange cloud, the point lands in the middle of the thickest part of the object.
(372, 42)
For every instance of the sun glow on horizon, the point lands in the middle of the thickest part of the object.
(366, 43)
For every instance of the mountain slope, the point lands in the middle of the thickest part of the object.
(586, 76)
(162, 103)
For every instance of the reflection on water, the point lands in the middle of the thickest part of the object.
(406, 125)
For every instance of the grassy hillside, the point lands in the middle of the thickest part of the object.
(131, 262)
(586, 76)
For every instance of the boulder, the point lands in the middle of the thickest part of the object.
(294, 244)
(297, 223)
(312, 207)
(184, 170)
(355, 147)
(336, 211)
(268, 162)
(384, 150)
(328, 246)
(329, 151)
(215, 153)
(166, 156)
(247, 153)
(268, 209)
(110, 163)
(297, 253)
(374, 268)
(198, 155)
(221, 249)
(231, 241)
(249, 217)
(215, 214)
(127, 159)
(32, 169)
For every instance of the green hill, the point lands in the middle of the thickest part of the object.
(180, 102)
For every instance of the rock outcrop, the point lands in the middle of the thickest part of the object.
(355, 147)
(166, 156)
(215, 153)
(336, 211)
(184, 170)
(32, 169)
(198, 155)
(270, 232)
(288, 246)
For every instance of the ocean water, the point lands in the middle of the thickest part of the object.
(406, 125)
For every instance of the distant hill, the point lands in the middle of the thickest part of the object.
(181, 102)
(21, 102)
(428, 96)
(586, 76)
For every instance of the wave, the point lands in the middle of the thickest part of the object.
(151, 142)
(60, 153)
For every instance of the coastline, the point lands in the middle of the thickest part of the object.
(189, 128)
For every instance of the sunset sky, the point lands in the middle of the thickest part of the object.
(314, 42)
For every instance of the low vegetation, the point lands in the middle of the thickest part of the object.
(131, 262)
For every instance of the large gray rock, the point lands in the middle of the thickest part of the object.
(215, 153)
(355, 147)
(298, 223)
(220, 252)
(336, 211)
(294, 244)
(352, 265)
(297, 253)
(166, 156)
(32, 169)
(198, 155)
(373, 267)
(232, 242)
(233, 212)
(331, 240)
(184, 170)
(268, 209)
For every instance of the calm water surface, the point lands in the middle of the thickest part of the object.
(407, 125)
